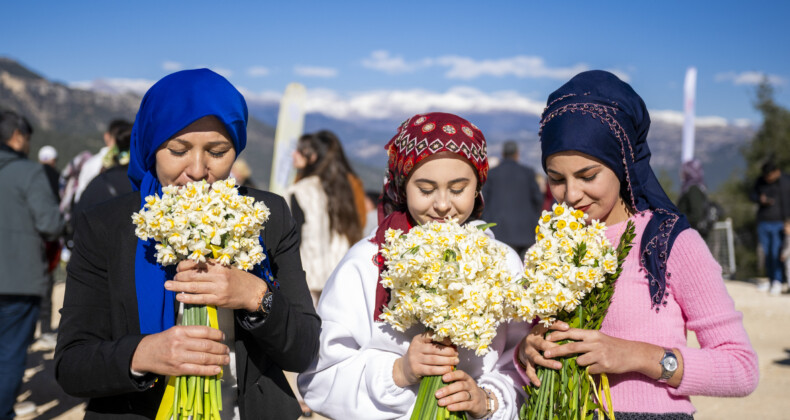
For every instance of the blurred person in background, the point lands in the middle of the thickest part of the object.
(323, 203)
(694, 201)
(93, 166)
(48, 156)
(772, 194)
(372, 199)
(29, 216)
(241, 172)
(513, 200)
(70, 179)
(113, 180)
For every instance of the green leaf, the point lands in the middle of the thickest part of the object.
(485, 226)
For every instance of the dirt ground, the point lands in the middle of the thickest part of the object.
(766, 319)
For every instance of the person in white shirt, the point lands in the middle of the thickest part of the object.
(367, 369)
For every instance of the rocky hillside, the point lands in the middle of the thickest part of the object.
(73, 120)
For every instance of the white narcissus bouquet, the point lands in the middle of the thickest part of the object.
(570, 275)
(454, 280)
(196, 222)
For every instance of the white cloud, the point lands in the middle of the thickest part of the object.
(520, 66)
(400, 103)
(677, 117)
(267, 96)
(310, 71)
(384, 104)
(466, 68)
(749, 78)
(744, 123)
(172, 66)
(137, 86)
(227, 73)
(257, 71)
(381, 60)
(621, 74)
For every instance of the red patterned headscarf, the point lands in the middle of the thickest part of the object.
(419, 137)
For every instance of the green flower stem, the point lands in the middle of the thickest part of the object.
(198, 397)
(426, 406)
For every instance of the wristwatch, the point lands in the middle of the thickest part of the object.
(669, 365)
(264, 307)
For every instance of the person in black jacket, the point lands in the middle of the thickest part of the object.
(693, 200)
(513, 200)
(112, 181)
(118, 339)
(772, 193)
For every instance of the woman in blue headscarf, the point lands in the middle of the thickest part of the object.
(595, 154)
(118, 337)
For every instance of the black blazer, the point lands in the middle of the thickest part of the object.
(99, 326)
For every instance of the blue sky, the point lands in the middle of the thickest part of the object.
(376, 58)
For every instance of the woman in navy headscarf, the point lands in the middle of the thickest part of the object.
(118, 337)
(595, 154)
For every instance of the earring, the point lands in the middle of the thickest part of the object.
(477, 192)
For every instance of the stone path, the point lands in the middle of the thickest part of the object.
(767, 319)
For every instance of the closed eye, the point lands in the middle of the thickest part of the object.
(218, 154)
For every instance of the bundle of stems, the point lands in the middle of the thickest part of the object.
(572, 393)
(427, 408)
(195, 397)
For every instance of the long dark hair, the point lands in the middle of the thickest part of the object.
(326, 160)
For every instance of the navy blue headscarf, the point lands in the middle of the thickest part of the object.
(171, 104)
(600, 115)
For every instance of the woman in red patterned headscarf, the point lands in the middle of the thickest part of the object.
(366, 369)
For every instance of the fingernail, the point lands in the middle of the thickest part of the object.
(457, 361)
(546, 354)
(167, 285)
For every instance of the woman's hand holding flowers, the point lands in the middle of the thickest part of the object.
(211, 283)
(600, 352)
(424, 357)
(532, 348)
(462, 394)
(182, 350)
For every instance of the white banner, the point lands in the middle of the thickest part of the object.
(290, 124)
(689, 93)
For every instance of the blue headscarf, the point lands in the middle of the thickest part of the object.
(598, 114)
(171, 104)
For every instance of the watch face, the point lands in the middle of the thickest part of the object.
(670, 364)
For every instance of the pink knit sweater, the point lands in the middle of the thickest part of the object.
(724, 366)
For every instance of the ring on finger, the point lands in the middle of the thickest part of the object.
(470, 395)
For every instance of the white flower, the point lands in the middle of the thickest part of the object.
(198, 220)
(454, 280)
(557, 276)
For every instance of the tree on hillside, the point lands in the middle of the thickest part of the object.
(773, 138)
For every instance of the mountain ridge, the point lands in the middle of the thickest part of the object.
(72, 119)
